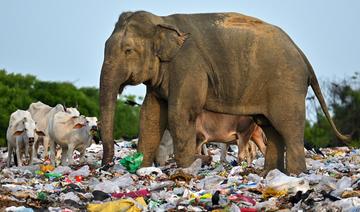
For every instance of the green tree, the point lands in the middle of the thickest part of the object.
(344, 98)
(19, 91)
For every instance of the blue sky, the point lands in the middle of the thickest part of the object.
(64, 40)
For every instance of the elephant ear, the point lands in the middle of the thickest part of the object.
(168, 41)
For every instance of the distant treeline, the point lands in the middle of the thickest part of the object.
(18, 91)
(343, 99)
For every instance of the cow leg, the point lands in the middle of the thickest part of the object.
(64, 151)
(82, 155)
(70, 152)
(201, 147)
(18, 152)
(46, 142)
(223, 151)
(10, 154)
(259, 139)
(52, 152)
(241, 148)
(27, 155)
(249, 153)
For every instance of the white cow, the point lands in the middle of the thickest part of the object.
(42, 113)
(71, 133)
(20, 135)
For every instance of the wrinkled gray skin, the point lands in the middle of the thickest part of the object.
(221, 62)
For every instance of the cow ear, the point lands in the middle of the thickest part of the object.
(78, 126)
(40, 133)
(17, 133)
(168, 41)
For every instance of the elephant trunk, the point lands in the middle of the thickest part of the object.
(110, 86)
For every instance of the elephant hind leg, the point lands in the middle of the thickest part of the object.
(290, 124)
(274, 157)
(293, 133)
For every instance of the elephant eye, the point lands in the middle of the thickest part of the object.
(128, 51)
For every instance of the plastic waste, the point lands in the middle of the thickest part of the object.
(327, 184)
(149, 171)
(100, 195)
(178, 191)
(132, 162)
(19, 209)
(347, 194)
(46, 168)
(277, 183)
(236, 170)
(79, 179)
(210, 182)
(14, 188)
(73, 188)
(132, 194)
(343, 184)
(83, 171)
(240, 197)
(69, 195)
(270, 204)
(62, 170)
(349, 204)
(136, 205)
(115, 185)
(254, 178)
(194, 168)
(181, 176)
(42, 196)
(53, 175)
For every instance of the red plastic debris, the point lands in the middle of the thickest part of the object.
(240, 197)
(79, 179)
(132, 194)
(248, 209)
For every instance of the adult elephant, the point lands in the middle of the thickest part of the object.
(222, 62)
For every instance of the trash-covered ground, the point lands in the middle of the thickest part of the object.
(332, 183)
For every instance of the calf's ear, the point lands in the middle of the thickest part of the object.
(17, 133)
(40, 133)
(78, 126)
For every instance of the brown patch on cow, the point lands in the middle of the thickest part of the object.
(236, 20)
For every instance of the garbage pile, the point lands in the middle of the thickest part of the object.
(332, 182)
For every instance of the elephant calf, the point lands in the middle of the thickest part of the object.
(229, 129)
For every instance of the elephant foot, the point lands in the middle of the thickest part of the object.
(106, 160)
(146, 163)
(184, 161)
(264, 172)
(296, 167)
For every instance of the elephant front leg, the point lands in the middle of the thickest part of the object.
(153, 120)
(182, 128)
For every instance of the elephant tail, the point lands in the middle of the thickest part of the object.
(316, 88)
(313, 82)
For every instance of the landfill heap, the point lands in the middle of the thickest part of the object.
(332, 183)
